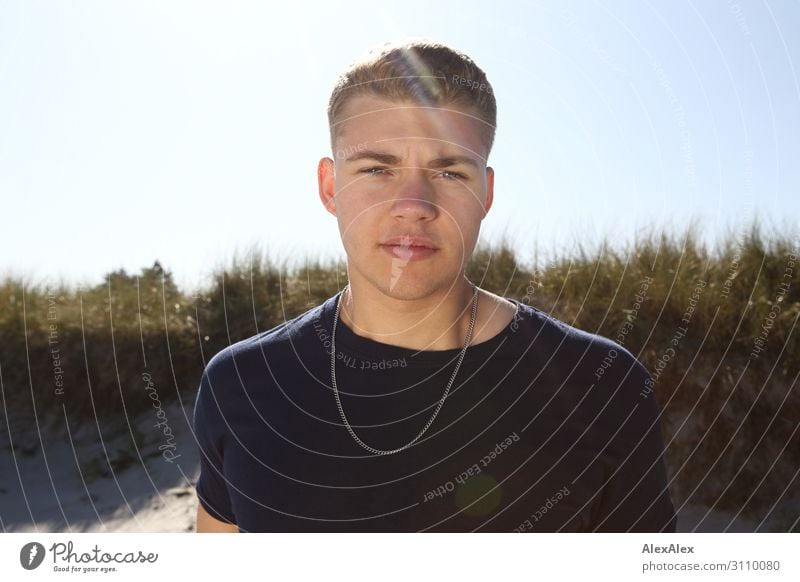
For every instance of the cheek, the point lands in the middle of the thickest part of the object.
(348, 214)
(463, 223)
(357, 228)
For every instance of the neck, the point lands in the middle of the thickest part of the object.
(439, 321)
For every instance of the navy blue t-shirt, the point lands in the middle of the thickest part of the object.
(546, 428)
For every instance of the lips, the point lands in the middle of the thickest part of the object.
(410, 241)
(409, 247)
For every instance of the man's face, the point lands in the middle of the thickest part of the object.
(401, 170)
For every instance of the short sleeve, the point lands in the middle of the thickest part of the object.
(210, 430)
(635, 496)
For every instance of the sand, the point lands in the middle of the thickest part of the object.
(43, 491)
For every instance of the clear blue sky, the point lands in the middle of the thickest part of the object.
(183, 131)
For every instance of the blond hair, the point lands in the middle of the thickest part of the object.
(422, 71)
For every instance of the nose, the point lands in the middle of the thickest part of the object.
(413, 199)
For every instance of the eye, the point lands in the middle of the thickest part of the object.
(371, 171)
(452, 176)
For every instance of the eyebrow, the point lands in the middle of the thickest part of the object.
(392, 160)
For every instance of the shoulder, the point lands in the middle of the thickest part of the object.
(550, 330)
(265, 343)
(615, 386)
(593, 357)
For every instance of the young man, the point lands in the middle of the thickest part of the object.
(412, 400)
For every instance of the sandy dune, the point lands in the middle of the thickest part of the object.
(148, 493)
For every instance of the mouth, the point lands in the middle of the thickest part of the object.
(414, 243)
(406, 250)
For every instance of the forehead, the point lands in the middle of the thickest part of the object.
(368, 120)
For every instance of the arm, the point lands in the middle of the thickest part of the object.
(208, 524)
(635, 497)
(214, 509)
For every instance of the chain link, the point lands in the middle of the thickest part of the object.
(444, 396)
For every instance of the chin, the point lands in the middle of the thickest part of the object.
(409, 287)
(406, 281)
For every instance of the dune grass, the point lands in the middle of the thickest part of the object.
(728, 386)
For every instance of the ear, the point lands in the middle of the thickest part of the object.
(489, 190)
(325, 178)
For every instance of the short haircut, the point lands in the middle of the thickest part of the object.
(422, 71)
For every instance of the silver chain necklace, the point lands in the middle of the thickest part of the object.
(441, 402)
